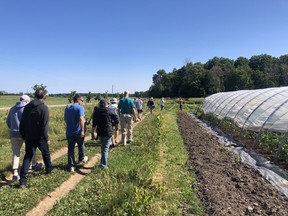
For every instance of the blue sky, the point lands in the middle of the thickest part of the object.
(90, 45)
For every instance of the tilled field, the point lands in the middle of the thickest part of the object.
(225, 185)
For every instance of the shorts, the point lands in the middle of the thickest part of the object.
(139, 110)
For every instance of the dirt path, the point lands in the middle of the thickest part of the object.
(47, 203)
(225, 185)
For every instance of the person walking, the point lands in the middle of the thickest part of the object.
(162, 102)
(13, 122)
(34, 127)
(127, 113)
(113, 106)
(151, 105)
(139, 107)
(75, 131)
(92, 128)
(180, 101)
(103, 120)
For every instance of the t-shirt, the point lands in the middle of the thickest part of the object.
(139, 104)
(114, 108)
(72, 118)
(126, 105)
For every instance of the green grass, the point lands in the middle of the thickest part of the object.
(148, 177)
(10, 100)
(177, 180)
(130, 186)
(14, 201)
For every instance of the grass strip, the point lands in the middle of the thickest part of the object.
(178, 196)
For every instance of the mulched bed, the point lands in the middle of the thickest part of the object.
(225, 185)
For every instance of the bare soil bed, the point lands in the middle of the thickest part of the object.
(225, 185)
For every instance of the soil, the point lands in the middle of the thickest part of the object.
(225, 185)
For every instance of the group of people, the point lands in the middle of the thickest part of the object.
(29, 121)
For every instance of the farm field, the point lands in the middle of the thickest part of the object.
(150, 175)
(10, 100)
(173, 167)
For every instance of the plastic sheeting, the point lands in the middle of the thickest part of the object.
(276, 176)
(261, 109)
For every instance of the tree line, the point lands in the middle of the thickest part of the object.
(220, 75)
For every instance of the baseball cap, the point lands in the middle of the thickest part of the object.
(102, 102)
(25, 98)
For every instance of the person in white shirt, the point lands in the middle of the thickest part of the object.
(139, 107)
(162, 102)
(114, 107)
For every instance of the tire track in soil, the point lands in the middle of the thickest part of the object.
(225, 185)
(52, 198)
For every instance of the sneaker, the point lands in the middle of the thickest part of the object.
(50, 171)
(72, 169)
(129, 141)
(37, 166)
(85, 159)
(112, 146)
(15, 177)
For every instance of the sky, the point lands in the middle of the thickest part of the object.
(113, 45)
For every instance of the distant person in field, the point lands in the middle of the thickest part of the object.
(127, 113)
(13, 122)
(180, 101)
(113, 106)
(162, 103)
(34, 127)
(151, 105)
(139, 107)
(103, 120)
(75, 131)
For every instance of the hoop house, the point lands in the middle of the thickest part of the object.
(257, 110)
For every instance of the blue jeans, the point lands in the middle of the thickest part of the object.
(72, 140)
(105, 143)
(30, 147)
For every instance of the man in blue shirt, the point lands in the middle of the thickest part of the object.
(75, 131)
(127, 113)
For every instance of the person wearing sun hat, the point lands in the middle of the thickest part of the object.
(13, 122)
(114, 107)
(103, 118)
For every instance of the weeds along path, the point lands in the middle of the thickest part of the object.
(171, 173)
(52, 198)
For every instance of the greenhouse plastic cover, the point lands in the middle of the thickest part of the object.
(261, 109)
(272, 173)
